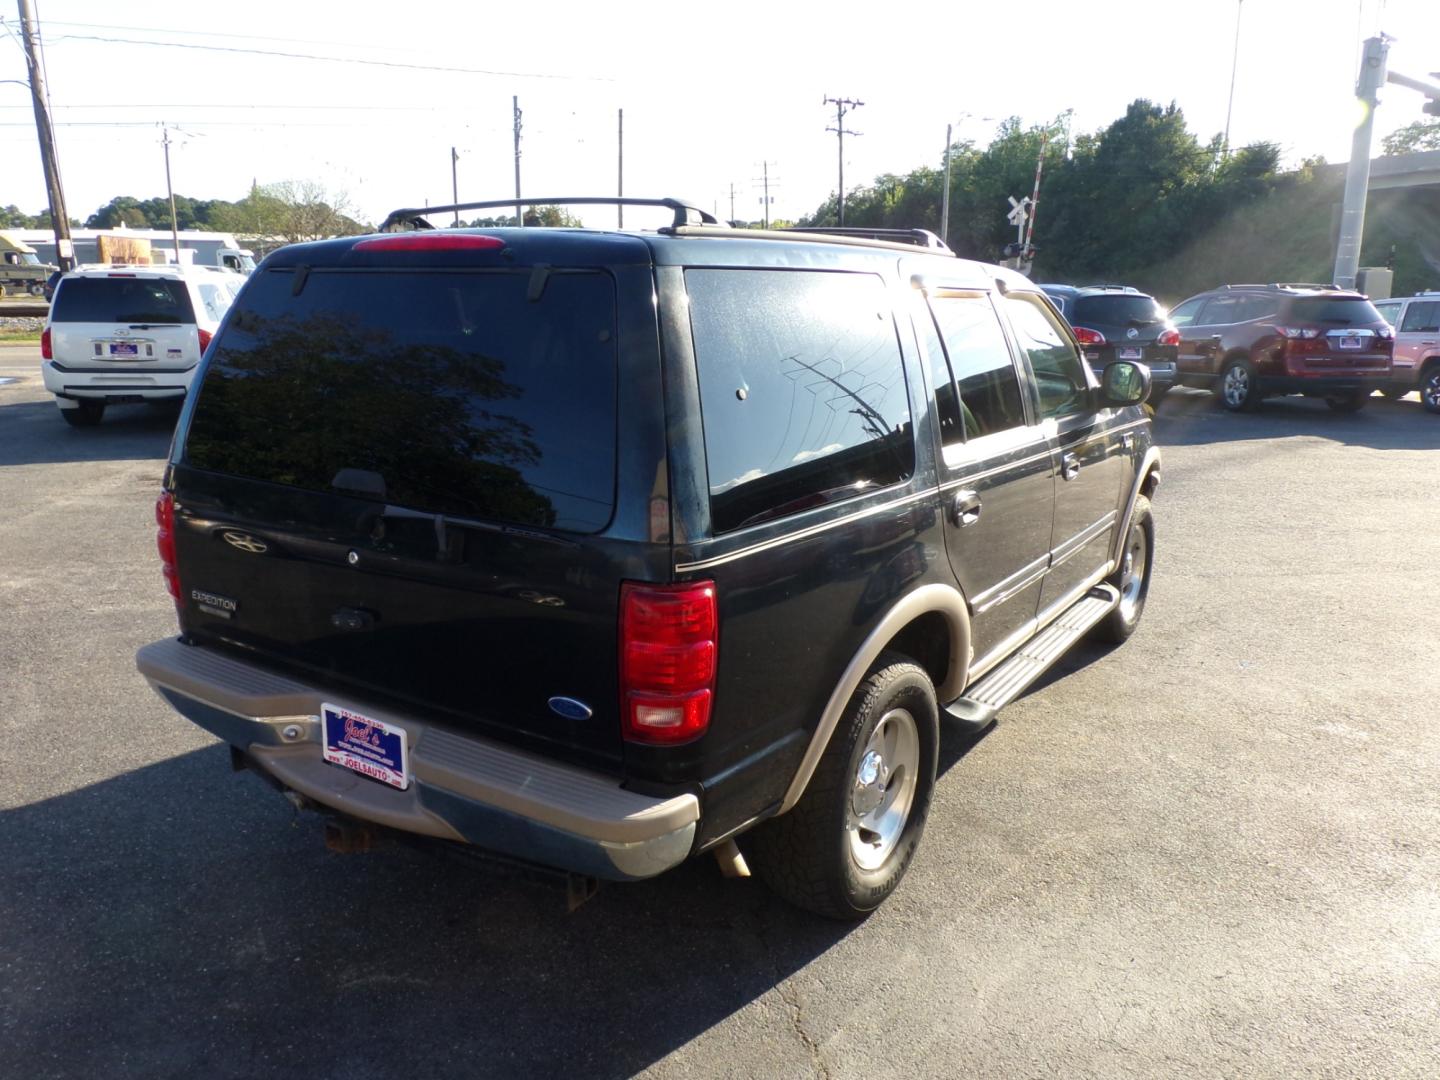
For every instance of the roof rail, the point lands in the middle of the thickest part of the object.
(411, 218)
(1307, 285)
(919, 237)
(812, 236)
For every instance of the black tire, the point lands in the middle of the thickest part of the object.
(88, 414)
(1238, 387)
(1430, 389)
(37, 289)
(1122, 621)
(809, 856)
(1351, 402)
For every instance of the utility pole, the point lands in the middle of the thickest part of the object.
(59, 216)
(842, 106)
(170, 190)
(455, 182)
(732, 202)
(519, 214)
(1234, 67)
(1357, 173)
(620, 183)
(945, 195)
(765, 200)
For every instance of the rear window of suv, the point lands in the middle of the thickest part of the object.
(802, 390)
(122, 300)
(452, 389)
(1333, 311)
(1116, 310)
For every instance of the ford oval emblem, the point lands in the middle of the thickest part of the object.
(570, 709)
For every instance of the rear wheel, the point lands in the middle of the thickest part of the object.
(849, 840)
(1239, 391)
(1430, 389)
(1351, 402)
(86, 414)
(37, 289)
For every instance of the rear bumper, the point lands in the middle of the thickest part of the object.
(1322, 385)
(127, 383)
(461, 787)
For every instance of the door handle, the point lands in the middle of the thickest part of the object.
(1069, 466)
(965, 510)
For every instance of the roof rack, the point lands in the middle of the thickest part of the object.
(413, 218)
(1290, 285)
(919, 237)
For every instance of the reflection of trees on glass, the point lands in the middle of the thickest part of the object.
(294, 400)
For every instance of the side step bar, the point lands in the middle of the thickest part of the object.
(977, 708)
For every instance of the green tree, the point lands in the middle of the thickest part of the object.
(123, 210)
(1421, 135)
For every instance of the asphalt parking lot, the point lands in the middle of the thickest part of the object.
(1214, 851)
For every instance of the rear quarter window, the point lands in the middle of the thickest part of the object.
(802, 390)
(122, 300)
(452, 389)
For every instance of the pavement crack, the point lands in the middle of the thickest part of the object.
(791, 997)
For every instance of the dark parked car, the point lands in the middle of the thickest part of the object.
(601, 549)
(1248, 342)
(1119, 322)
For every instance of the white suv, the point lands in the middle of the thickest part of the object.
(129, 333)
(1417, 346)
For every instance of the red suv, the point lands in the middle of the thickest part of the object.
(1249, 342)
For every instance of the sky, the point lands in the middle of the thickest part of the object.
(373, 96)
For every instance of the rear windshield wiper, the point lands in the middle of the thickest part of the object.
(151, 325)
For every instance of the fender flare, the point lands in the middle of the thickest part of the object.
(1148, 464)
(944, 599)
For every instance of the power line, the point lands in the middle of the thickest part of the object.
(330, 59)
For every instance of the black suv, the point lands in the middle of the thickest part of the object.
(600, 549)
(1119, 322)
(1249, 342)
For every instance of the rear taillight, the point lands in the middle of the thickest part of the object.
(165, 542)
(1298, 333)
(1086, 336)
(1169, 337)
(45, 351)
(431, 241)
(205, 337)
(668, 654)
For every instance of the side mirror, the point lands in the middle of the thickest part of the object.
(1125, 383)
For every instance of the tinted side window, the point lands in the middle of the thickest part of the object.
(1223, 310)
(980, 357)
(1389, 310)
(947, 397)
(216, 299)
(802, 390)
(122, 300)
(1255, 307)
(458, 393)
(1185, 314)
(1059, 373)
(1422, 318)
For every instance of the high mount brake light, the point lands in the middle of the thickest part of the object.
(165, 542)
(668, 657)
(1086, 336)
(430, 242)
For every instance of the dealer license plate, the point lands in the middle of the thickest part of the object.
(365, 745)
(1349, 342)
(1129, 354)
(124, 348)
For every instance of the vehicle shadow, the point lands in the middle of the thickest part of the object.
(178, 921)
(33, 433)
(1195, 417)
